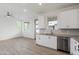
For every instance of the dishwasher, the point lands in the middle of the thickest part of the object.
(63, 44)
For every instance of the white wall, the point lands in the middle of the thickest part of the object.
(8, 28)
(8, 25)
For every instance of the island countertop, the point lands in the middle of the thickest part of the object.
(55, 34)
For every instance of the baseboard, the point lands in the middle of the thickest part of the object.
(14, 37)
(9, 37)
(28, 37)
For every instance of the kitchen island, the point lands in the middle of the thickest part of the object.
(50, 40)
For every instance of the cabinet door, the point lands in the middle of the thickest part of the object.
(41, 40)
(71, 19)
(68, 19)
(51, 42)
(44, 40)
(42, 22)
(61, 21)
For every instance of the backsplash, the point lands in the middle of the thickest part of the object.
(45, 31)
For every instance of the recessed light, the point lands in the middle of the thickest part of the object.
(25, 10)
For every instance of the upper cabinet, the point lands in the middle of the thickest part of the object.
(42, 22)
(69, 19)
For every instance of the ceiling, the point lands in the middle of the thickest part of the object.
(35, 7)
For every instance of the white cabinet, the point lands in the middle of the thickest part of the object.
(42, 22)
(47, 41)
(69, 19)
(74, 47)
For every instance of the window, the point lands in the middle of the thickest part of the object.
(22, 26)
(19, 25)
(26, 26)
(52, 22)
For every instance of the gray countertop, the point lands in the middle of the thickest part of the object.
(64, 35)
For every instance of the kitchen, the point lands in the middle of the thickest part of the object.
(60, 32)
(46, 29)
(39, 30)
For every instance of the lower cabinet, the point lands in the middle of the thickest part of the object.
(47, 41)
(74, 47)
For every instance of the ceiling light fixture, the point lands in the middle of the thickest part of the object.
(9, 14)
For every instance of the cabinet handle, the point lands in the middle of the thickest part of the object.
(39, 38)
